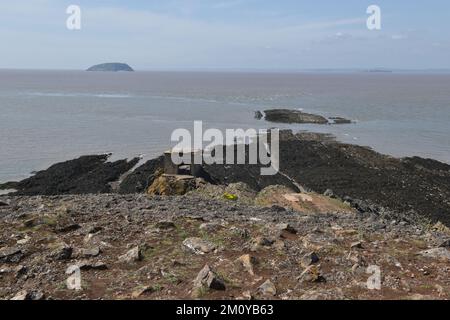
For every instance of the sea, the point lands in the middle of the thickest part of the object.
(52, 116)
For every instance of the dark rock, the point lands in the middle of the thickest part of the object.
(309, 259)
(85, 175)
(339, 120)
(165, 225)
(84, 265)
(293, 116)
(11, 255)
(259, 115)
(111, 67)
(142, 177)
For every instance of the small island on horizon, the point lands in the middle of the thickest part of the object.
(111, 67)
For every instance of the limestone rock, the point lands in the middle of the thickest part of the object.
(133, 255)
(268, 289)
(199, 246)
(248, 262)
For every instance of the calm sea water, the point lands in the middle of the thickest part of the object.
(51, 116)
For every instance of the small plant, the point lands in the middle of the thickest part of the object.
(229, 196)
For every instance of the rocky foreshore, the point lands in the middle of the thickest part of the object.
(333, 217)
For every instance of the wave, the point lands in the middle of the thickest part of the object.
(76, 95)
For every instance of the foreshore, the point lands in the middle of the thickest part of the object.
(310, 232)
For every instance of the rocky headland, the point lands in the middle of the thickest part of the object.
(313, 231)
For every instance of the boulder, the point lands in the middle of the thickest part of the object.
(293, 116)
(205, 280)
(63, 252)
(199, 246)
(309, 259)
(286, 227)
(133, 255)
(11, 255)
(165, 225)
(268, 289)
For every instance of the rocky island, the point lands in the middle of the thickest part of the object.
(111, 67)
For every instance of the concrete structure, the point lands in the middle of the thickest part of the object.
(189, 168)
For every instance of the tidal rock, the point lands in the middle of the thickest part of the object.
(207, 279)
(199, 246)
(293, 116)
(268, 289)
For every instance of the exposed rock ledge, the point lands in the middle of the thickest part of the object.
(296, 116)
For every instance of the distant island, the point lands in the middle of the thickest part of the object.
(111, 67)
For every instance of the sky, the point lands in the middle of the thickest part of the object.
(226, 34)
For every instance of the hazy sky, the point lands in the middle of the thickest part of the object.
(229, 34)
